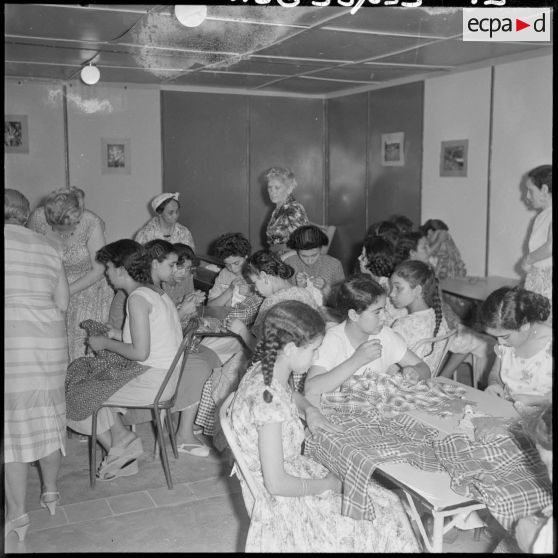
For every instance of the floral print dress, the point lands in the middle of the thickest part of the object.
(306, 523)
(284, 220)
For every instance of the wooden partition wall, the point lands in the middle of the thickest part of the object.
(216, 148)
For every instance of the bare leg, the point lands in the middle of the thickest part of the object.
(50, 466)
(120, 434)
(185, 434)
(16, 489)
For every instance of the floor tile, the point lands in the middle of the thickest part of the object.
(124, 503)
(83, 511)
(180, 494)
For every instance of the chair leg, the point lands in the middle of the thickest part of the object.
(172, 435)
(161, 439)
(93, 450)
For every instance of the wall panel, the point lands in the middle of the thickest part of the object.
(285, 132)
(347, 132)
(204, 142)
(395, 189)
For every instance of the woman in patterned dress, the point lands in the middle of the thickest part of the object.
(78, 234)
(35, 360)
(538, 262)
(288, 214)
(300, 505)
(165, 224)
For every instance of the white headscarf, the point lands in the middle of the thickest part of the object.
(158, 200)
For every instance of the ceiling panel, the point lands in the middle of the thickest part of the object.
(335, 45)
(367, 72)
(304, 50)
(433, 22)
(306, 86)
(453, 53)
(220, 79)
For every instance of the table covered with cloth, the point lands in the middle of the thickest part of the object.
(505, 474)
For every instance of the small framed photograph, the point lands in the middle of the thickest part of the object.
(453, 158)
(393, 152)
(16, 134)
(116, 157)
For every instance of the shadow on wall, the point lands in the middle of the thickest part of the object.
(525, 243)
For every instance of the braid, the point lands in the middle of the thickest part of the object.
(271, 345)
(436, 304)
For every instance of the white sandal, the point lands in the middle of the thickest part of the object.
(198, 450)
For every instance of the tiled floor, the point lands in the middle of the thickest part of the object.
(203, 513)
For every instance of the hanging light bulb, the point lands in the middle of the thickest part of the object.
(190, 16)
(90, 74)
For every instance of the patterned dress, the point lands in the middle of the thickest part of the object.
(420, 325)
(527, 376)
(284, 220)
(92, 303)
(539, 277)
(306, 523)
(35, 348)
(151, 231)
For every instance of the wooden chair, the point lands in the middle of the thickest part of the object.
(445, 340)
(251, 490)
(158, 406)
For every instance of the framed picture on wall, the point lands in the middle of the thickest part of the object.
(16, 134)
(393, 153)
(453, 158)
(116, 157)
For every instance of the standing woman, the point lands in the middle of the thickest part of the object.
(35, 360)
(538, 262)
(78, 234)
(288, 214)
(165, 224)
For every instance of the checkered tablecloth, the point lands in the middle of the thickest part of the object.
(505, 474)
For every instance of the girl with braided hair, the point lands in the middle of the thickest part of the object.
(151, 336)
(414, 286)
(300, 507)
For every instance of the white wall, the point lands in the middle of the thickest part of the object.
(41, 170)
(116, 111)
(458, 107)
(122, 200)
(522, 139)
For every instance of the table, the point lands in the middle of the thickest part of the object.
(428, 485)
(433, 489)
(476, 288)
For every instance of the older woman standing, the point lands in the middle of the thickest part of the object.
(78, 234)
(537, 264)
(35, 360)
(288, 214)
(165, 224)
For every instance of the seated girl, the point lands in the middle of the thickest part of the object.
(448, 261)
(300, 507)
(151, 336)
(230, 288)
(180, 285)
(361, 345)
(522, 371)
(377, 260)
(313, 270)
(414, 286)
(199, 364)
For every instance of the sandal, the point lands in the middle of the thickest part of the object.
(50, 500)
(118, 458)
(127, 470)
(198, 450)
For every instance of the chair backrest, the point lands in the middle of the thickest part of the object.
(241, 467)
(183, 350)
(445, 341)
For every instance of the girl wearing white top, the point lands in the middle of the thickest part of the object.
(538, 262)
(361, 344)
(151, 335)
